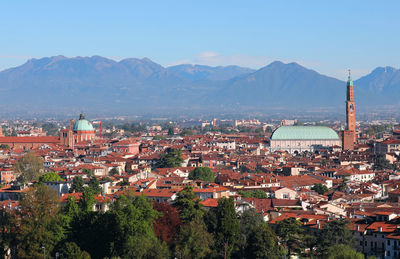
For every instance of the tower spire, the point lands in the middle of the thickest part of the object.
(349, 80)
(349, 135)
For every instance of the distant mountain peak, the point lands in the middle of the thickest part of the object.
(194, 72)
(139, 83)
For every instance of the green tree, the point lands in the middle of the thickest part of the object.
(77, 184)
(262, 243)
(227, 228)
(7, 234)
(29, 167)
(291, 234)
(87, 200)
(172, 158)
(89, 172)
(94, 232)
(193, 240)
(188, 205)
(335, 232)
(70, 250)
(343, 252)
(4, 146)
(134, 235)
(113, 171)
(50, 177)
(248, 220)
(71, 208)
(170, 131)
(40, 222)
(202, 173)
(94, 185)
(159, 137)
(343, 184)
(310, 242)
(381, 163)
(320, 188)
(186, 132)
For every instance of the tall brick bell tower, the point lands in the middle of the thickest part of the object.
(349, 135)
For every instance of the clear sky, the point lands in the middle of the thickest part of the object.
(328, 36)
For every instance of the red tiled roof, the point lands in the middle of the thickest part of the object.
(159, 193)
(260, 204)
(47, 139)
(210, 203)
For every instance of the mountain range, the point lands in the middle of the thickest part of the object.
(139, 85)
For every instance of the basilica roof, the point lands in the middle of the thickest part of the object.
(304, 133)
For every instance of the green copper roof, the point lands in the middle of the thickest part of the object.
(349, 80)
(303, 133)
(82, 124)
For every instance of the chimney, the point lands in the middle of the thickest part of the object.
(380, 229)
(358, 228)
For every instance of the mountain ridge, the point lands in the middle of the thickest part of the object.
(141, 84)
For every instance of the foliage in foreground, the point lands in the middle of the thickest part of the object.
(135, 227)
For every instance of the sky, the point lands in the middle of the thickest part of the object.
(327, 36)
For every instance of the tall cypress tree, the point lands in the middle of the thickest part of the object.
(227, 228)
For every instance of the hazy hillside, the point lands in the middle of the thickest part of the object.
(198, 72)
(130, 85)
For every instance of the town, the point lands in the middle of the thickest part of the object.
(317, 185)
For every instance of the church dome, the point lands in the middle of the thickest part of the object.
(304, 133)
(82, 124)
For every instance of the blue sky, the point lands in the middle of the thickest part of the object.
(328, 36)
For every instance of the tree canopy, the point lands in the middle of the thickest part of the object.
(4, 146)
(381, 163)
(29, 167)
(40, 222)
(262, 243)
(171, 158)
(166, 226)
(343, 252)
(227, 227)
(134, 235)
(290, 233)
(77, 184)
(193, 240)
(202, 173)
(94, 185)
(50, 177)
(113, 171)
(320, 188)
(188, 205)
(335, 232)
